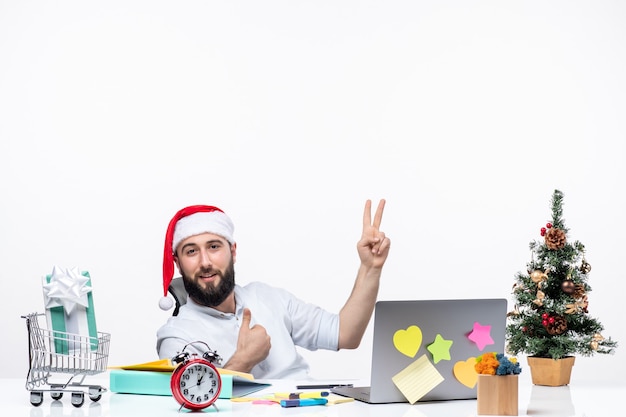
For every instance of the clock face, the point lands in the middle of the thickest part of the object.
(196, 384)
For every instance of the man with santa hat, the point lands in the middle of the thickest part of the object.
(255, 328)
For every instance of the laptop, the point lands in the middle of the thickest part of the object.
(447, 334)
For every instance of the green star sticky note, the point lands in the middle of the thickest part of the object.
(440, 349)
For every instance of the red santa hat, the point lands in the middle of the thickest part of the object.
(191, 221)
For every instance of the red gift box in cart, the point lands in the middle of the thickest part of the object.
(85, 355)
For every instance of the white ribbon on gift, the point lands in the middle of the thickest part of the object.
(67, 288)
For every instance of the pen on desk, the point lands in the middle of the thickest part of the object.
(322, 386)
(303, 402)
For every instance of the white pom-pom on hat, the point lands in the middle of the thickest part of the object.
(166, 303)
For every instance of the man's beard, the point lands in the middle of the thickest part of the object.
(211, 295)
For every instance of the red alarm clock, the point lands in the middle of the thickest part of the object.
(195, 382)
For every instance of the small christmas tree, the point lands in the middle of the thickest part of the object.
(551, 316)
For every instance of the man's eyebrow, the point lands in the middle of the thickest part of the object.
(210, 241)
(215, 241)
(186, 245)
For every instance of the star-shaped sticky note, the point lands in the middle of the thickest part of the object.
(440, 349)
(481, 335)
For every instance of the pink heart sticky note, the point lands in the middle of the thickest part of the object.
(408, 341)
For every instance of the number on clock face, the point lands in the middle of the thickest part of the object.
(199, 384)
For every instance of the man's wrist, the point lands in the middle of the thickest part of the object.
(234, 364)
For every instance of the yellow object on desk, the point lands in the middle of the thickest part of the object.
(166, 365)
(338, 399)
(162, 365)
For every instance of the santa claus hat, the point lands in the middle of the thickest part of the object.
(191, 221)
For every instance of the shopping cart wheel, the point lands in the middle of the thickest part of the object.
(36, 398)
(78, 398)
(95, 392)
(56, 395)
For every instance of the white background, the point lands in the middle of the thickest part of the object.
(464, 115)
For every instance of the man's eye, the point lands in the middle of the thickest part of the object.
(190, 252)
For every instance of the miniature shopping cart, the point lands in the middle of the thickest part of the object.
(52, 352)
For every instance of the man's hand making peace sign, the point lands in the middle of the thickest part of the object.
(373, 248)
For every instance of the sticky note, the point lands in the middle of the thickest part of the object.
(481, 335)
(465, 372)
(440, 349)
(338, 399)
(265, 402)
(417, 379)
(408, 341)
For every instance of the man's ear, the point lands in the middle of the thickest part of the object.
(233, 251)
(176, 262)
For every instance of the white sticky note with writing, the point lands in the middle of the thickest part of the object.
(417, 379)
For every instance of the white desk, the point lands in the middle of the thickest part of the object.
(588, 400)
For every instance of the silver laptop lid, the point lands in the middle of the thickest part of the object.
(460, 328)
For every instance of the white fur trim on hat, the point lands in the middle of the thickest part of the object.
(215, 222)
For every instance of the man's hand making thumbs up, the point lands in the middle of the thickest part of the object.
(253, 345)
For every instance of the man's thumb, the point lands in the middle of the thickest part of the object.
(246, 318)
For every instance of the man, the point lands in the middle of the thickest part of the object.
(256, 328)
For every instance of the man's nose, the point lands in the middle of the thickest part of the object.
(205, 258)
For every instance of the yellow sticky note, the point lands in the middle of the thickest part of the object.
(408, 341)
(337, 399)
(417, 379)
